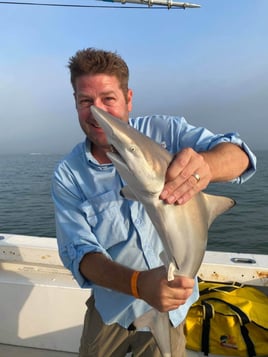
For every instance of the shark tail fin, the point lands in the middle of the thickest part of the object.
(159, 324)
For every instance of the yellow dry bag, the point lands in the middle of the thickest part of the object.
(228, 319)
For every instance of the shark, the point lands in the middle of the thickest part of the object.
(183, 229)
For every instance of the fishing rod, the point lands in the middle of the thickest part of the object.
(149, 3)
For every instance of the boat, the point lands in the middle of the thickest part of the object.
(42, 307)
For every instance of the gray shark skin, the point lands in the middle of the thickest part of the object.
(183, 229)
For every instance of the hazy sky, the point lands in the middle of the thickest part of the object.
(209, 65)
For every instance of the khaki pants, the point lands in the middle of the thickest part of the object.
(100, 340)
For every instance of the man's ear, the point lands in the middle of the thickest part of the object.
(129, 99)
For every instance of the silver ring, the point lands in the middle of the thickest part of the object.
(197, 177)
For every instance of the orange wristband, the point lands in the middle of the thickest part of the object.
(133, 284)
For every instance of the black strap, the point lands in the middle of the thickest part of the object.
(208, 314)
(248, 342)
(243, 321)
(244, 330)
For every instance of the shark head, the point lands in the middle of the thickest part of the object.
(141, 162)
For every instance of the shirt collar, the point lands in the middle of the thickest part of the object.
(91, 159)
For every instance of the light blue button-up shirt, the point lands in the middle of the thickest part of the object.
(91, 216)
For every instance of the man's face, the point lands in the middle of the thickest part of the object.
(104, 92)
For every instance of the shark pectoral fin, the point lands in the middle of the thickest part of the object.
(217, 205)
(127, 193)
(158, 323)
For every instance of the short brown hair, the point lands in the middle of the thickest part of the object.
(94, 61)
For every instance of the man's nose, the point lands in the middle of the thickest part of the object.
(99, 103)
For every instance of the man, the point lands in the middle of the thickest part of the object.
(105, 239)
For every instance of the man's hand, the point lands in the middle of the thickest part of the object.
(191, 172)
(162, 294)
(187, 174)
(152, 285)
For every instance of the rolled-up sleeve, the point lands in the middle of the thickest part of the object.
(201, 139)
(234, 138)
(74, 235)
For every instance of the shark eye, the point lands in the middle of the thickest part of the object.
(132, 148)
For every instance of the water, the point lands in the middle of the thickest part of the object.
(25, 201)
(26, 206)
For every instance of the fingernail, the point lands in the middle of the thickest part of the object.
(171, 199)
(180, 201)
(164, 194)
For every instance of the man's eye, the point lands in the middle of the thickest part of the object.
(84, 103)
(109, 99)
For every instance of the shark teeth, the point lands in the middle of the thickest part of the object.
(113, 149)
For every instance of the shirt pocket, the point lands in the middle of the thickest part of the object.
(104, 215)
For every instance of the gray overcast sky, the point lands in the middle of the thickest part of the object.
(209, 65)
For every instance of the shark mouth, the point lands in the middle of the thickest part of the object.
(113, 150)
(116, 158)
